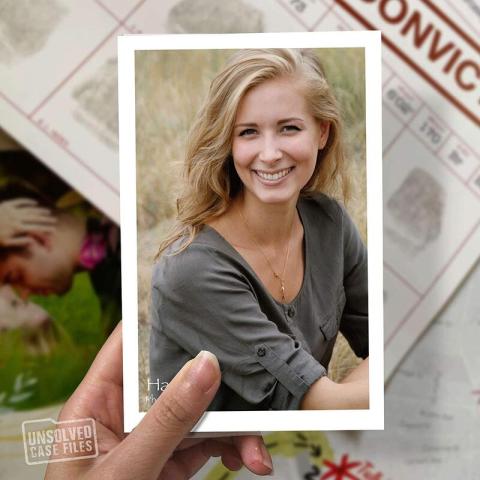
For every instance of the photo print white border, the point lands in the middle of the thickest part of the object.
(254, 421)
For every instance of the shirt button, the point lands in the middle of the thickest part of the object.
(268, 387)
(261, 351)
(291, 312)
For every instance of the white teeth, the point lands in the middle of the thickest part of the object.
(273, 176)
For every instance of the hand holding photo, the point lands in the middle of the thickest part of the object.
(263, 264)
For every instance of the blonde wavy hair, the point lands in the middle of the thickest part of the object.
(210, 179)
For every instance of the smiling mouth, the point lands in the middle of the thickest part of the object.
(272, 177)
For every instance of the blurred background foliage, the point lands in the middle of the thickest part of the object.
(41, 367)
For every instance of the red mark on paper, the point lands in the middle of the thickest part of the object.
(341, 471)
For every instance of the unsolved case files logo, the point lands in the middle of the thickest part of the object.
(46, 440)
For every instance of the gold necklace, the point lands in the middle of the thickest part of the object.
(281, 278)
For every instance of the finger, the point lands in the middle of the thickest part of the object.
(232, 461)
(18, 241)
(21, 202)
(37, 228)
(254, 454)
(35, 215)
(171, 417)
(190, 442)
(185, 463)
(35, 209)
(42, 219)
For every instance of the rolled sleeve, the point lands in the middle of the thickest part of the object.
(292, 384)
(203, 302)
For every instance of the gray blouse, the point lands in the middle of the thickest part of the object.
(209, 298)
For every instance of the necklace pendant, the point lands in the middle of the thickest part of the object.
(283, 291)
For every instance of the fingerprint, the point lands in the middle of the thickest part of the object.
(214, 16)
(417, 207)
(25, 26)
(97, 100)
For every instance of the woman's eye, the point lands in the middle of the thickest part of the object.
(248, 131)
(290, 128)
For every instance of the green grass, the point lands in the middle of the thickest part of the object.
(30, 380)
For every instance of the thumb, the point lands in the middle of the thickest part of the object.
(170, 418)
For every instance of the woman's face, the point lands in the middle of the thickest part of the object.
(276, 141)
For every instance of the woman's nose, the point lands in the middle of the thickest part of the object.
(270, 151)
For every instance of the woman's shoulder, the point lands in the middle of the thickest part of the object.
(319, 205)
(206, 254)
(321, 211)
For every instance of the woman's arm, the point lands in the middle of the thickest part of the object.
(350, 393)
(201, 300)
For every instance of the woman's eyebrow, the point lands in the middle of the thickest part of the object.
(283, 120)
(290, 119)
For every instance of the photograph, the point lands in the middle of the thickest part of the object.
(60, 284)
(248, 182)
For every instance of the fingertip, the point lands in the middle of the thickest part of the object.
(255, 455)
(204, 371)
(261, 466)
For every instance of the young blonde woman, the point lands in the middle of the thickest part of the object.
(263, 268)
